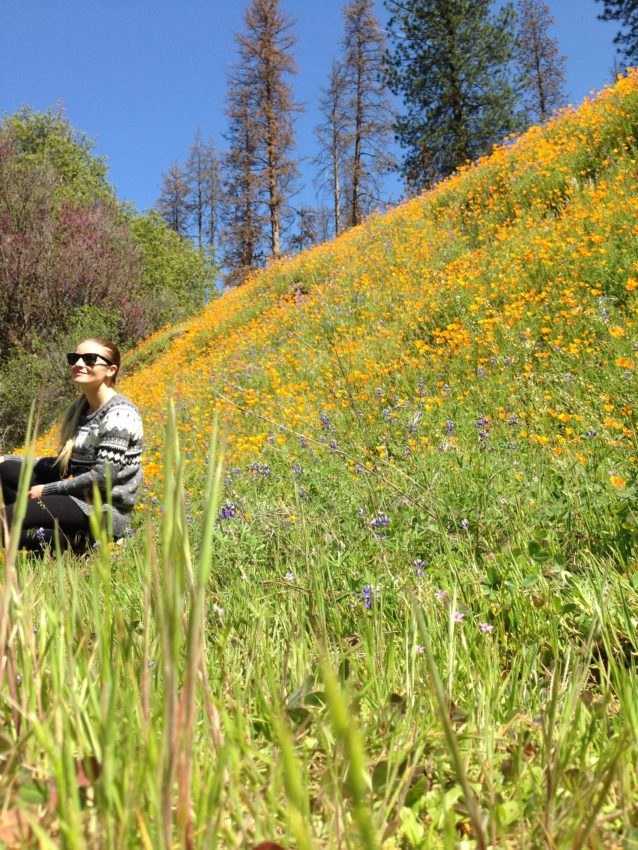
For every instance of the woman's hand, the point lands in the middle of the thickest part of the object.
(36, 491)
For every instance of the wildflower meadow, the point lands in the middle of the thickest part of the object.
(382, 589)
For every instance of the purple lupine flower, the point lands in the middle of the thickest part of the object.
(259, 469)
(40, 535)
(228, 511)
(418, 567)
(380, 521)
(368, 595)
(465, 524)
(449, 427)
(325, 420)
(484, 425)
(297, 469)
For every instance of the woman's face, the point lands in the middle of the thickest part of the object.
(98, 371)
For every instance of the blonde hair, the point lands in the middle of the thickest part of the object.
(68, 430)
(71, 418)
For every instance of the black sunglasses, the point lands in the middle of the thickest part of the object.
(88, 359)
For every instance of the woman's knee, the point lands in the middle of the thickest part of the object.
(10, 473)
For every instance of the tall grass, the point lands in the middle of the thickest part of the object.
(394, 604)
(162, 694)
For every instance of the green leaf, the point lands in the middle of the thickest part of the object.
(531, 580)
(33, 792)
(537, 552)
(411, 828)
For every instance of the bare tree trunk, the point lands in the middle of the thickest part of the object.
(332, 137)
(368, 121)
(358, 121)
(336, 182)
(273, 192)
(540, 83)
(265, 59)
(543, 68)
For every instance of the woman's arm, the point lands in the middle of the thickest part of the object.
(121, 425)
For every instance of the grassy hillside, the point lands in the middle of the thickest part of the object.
(405, 615)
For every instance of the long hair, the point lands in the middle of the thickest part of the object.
(71, 418)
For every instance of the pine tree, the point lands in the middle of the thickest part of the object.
(332, 135)
(451, 64)
(204, 182)
(368, 108)
(626, 13)
(308, 228)
(243, 223)
(173, 203)
(542, 67)
(265, 61)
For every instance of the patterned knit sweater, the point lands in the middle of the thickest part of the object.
(108, 443)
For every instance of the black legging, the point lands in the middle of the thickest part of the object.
(45, 513)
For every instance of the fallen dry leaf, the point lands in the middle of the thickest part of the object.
(14, 828)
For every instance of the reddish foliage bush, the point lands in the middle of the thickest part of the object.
(57, 255)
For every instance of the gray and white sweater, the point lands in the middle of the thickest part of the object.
(108, 443)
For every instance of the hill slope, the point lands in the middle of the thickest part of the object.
(496, 311)
(430, 472)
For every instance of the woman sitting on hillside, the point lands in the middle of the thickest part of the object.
(101, 439)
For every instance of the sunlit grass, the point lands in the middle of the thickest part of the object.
(396, 607)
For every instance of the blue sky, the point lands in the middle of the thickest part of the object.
(140, 76)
